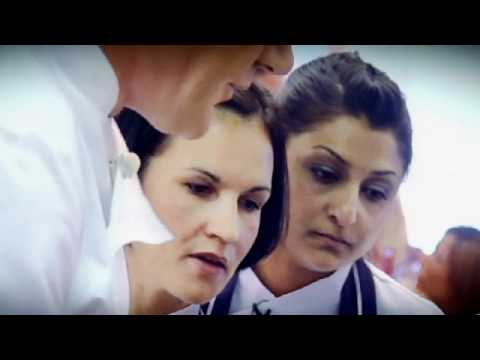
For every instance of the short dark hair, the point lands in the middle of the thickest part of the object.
(466, 233)
(342, 83)
(144, 140)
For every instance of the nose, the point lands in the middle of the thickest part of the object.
(223, 221)
(276, 59)
(343, 209)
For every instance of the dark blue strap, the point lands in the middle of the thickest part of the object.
(369, 296)
(203, 309)
(348, 299)
(221, 306)
(348, 296)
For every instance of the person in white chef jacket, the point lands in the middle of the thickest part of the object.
(349, 146)
(58, 154)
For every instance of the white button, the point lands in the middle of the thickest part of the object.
(129, 164)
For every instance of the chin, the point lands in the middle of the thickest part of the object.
(328, 263)
(178, 123)
(199, 294)
(326, 267)
(194, 132)
(194, 122)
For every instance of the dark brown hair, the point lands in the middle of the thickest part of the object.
(464, 269)
(343, 83)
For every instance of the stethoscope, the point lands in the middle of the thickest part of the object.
(357, 297)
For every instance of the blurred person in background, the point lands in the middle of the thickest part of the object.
(392, 252)
(450, 277)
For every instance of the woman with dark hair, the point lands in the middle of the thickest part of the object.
(450, 277)
(349, 147)
(222, 197)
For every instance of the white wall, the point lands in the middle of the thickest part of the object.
(442, 88)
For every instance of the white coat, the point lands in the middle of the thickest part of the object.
(58, 250)
(321, 297)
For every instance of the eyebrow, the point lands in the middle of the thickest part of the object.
(259, 188)
(384, 173)
(333, 153)
(214, 178)
(346, 163)
(217, 180)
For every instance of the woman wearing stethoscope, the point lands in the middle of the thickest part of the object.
(348, 150)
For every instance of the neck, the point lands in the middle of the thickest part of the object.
(146, 302)
(282, 274)
(147, 295)
(122, 60)
(133, 66)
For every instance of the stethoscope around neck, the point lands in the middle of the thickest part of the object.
(358, 296)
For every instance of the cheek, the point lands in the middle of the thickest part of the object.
(369, 226)
(247, 237)
(425, 270)
(304, 201)
(177, 210)
(365, 244)
(433, 279)
(171, 214)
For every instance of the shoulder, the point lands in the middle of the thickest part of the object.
(34, 108)
(45, 118)
(395, 299)
(43, 151)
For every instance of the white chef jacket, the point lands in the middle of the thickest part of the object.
(57, 255)
(321, 297)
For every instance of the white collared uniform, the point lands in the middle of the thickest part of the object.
(322, 297)
(57, 255)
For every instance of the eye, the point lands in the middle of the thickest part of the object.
(324, 174)
(249, 205)
(375, 194)
(200, 190)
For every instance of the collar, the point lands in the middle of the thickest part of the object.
(132, 217)
(319, 297)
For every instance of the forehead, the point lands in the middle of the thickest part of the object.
(445, 244)
(228, 149)
(354, 141)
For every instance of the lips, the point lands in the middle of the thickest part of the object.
(241, 86)
(211, 259)
(334, 238)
